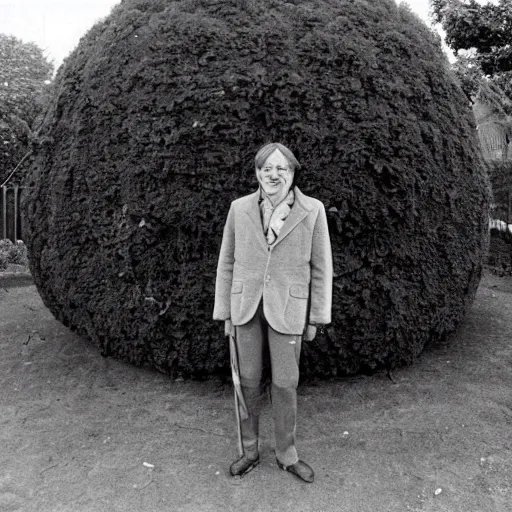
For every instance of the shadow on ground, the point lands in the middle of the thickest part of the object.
(82, 433)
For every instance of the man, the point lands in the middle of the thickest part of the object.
(273, 289)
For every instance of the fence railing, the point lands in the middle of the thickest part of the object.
(11, 222)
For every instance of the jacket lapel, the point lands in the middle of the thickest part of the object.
(299, 212)
(253, 211)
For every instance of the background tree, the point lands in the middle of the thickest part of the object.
(483, 35)
(485, 32)
(24, 86)
(152, 132)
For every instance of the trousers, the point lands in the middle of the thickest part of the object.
(253, 340)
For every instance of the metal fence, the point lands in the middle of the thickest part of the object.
(11, 222)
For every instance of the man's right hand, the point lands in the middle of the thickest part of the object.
(228, 327)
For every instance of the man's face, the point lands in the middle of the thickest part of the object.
(275, 175)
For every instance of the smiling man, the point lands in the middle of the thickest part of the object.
(273, 289)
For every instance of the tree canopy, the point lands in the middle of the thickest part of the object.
(485, 32)
(24, 79)
(485, 27)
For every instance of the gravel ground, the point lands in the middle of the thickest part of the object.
(79, 432)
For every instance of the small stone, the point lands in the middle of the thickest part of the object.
(438, 491)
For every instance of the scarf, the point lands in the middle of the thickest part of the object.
(273, 217)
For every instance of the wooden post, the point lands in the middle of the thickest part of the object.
(509, 209)
(15, 234)
(4, 212)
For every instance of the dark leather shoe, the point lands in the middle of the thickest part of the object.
(243, 465)
(300, 469)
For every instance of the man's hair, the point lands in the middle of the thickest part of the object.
(265, 151)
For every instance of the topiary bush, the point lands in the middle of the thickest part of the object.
(151, 134)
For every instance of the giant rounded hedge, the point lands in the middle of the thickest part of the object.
(156, 118)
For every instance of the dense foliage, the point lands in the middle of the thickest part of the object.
(12, 253)
(500, 248)
(500, 173)
(486, 31)
(153, 130)
(24, 82)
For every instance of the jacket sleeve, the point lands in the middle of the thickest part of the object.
(321, 272)
(222, 307)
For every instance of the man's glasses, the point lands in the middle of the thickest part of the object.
(280, 170)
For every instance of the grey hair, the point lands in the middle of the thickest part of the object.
(265, 151)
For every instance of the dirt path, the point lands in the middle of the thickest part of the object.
(76, 429)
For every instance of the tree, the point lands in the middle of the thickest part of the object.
(24, 83)
(487, 28)
(485, 32)
(152, 131)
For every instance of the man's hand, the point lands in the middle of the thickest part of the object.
(228, 326)
(310, 333)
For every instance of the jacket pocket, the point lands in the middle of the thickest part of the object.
(237, 287)
(299, 291)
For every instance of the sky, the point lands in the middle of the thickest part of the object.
(56, 26)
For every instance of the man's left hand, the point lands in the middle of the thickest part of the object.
(310, 333)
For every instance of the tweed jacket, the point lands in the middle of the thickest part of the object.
(293, 276)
